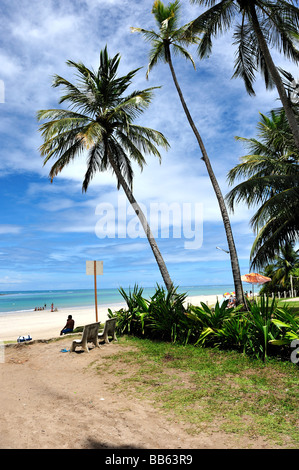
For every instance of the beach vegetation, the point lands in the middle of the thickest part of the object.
(265, 330)
(166, 317)
(130, 320)
(162, 316)
(260, 25)
(169, 36)
(212, 321)
(99, 123)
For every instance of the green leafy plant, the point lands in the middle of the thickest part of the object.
(288, 325)
(131, 319)
(258, 332)
(210, 321)
(234, 333)
(166, 318)
(262, 329)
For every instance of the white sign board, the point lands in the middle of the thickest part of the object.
(90, 267)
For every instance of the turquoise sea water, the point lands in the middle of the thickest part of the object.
(26, 301)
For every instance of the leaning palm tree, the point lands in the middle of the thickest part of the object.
(169, 35)
(99, 121)
(262, 24)
(271, 184)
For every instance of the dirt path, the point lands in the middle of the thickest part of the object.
(55, 400)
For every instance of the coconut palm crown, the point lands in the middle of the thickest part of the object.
(168, 34)
(99, 123)
(260, 25)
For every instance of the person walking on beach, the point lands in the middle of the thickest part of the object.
(69, 326)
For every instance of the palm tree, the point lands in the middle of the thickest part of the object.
(285, 264)
(262, 24)
(272, 184)
(99, 121)
(271, 153)
(169, 35)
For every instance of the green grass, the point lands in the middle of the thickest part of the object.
(293, 306)
(212, 389)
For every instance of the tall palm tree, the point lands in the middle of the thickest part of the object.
(170, 36)
(272, 185)
(261, 24)
(99, 121)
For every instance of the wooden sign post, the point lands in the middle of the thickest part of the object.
(94, 268)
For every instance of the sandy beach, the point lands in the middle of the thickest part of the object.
(46, 324)
(56, 400)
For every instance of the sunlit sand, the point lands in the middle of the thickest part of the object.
(46, 324)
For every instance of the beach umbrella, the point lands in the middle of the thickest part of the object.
(255, 278)
(226, 293)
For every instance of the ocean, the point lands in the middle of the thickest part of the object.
(27, 301)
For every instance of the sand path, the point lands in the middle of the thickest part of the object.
(55, 400)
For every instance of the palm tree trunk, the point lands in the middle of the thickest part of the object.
(227, 226)
(153, 244)
(275, 75)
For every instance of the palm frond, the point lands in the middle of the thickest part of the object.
(121, 160)
(134, 104)
(149, 35)
(65, 152)
(140, 140)
(216, 20)
(282, 23)
(179, 50)
(245, 62)
(274, 234)
(94, 164)
(157, 53)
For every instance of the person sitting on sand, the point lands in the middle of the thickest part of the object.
(69, 326)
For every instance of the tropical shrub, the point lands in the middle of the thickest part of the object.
(234, 333)
(220, 326)
(162, 317)
(253, 332)
(263, 330)
(166, 318)
(288, 325)
(130, 320)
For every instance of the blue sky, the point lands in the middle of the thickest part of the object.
(48, 231)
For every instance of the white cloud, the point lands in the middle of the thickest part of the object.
(10, 229)
(6, 280)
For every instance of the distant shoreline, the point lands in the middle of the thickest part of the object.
(44, 324)
(24, 302)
